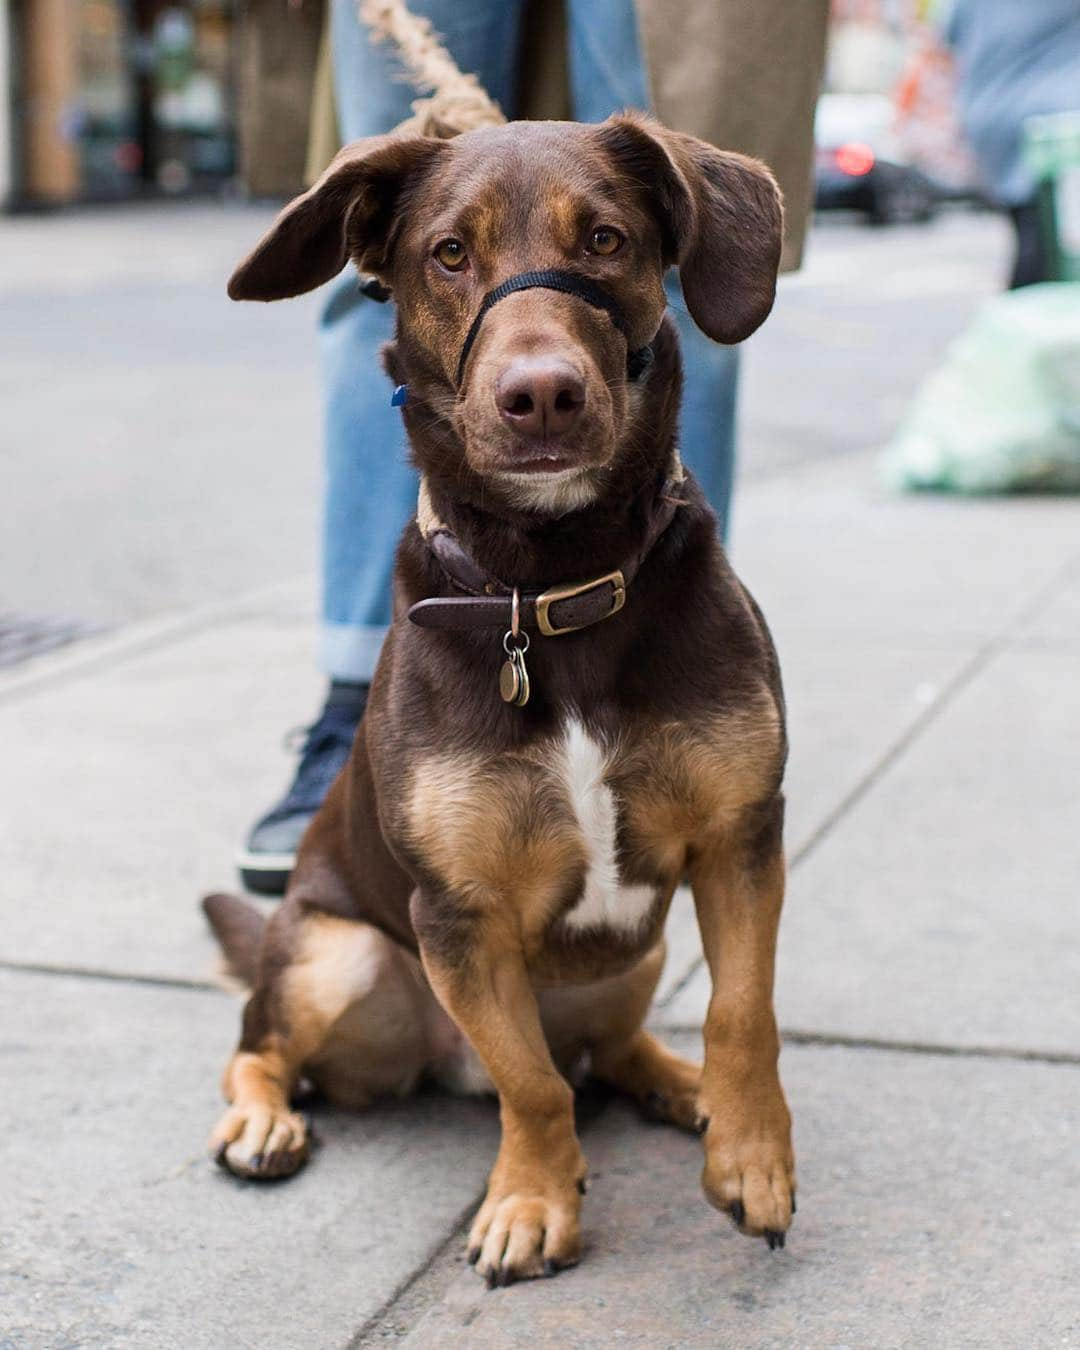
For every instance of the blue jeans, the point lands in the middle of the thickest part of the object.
(370, 486)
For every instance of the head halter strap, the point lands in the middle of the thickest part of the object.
(569, 284)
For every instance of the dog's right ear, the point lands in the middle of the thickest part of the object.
(348, 213)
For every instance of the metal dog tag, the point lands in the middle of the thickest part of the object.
(510, 680)
(514, 677)
(524, 687)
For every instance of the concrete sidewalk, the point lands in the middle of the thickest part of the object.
(927, 985)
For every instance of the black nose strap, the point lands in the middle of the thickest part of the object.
(552, 280)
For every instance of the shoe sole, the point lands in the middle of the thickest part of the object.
(265, 873)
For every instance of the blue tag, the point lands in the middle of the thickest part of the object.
(400, 396)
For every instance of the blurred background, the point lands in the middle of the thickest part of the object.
(144, 146)
(124, 100)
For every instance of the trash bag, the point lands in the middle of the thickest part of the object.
(1002, 414)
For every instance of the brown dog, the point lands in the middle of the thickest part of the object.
(482, 896)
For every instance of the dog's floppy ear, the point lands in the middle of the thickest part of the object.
(722, 218)
(348, 213)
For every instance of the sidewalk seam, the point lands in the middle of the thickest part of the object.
(136, 639)
(356, 1341)
(827, 1039)
(114, 976)
(979, 661)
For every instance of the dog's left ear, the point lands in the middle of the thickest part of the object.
(722, 217)
(348, 213)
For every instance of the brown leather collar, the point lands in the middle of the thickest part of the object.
(553, 611)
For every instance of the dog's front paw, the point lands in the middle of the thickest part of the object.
(260, 1142)
(521, 1235)
(750, 1174)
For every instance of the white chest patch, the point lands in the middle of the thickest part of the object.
(605, 902)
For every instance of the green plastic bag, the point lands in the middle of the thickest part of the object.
(1002, 414)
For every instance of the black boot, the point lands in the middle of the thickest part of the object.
(270, 853)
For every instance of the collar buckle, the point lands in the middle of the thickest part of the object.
(556, 594)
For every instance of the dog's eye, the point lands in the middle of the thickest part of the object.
(605, 241)
(451, 254)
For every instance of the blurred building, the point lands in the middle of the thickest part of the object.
(895, 50)
(112, 99)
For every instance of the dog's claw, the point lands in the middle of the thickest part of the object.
(473, 1255)
(737, 1212)
(550, 1268)
(793, 1202)
(582, 1186)
(491, 1277)
(701, 1124)
(774, 1238)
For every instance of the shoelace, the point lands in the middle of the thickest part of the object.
(323, 748)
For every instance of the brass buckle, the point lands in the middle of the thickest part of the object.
(556, 593)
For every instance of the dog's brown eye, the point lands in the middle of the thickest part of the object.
(605, 241)
(451, 253)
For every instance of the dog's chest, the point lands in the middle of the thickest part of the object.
(582, 833)
(607, 902)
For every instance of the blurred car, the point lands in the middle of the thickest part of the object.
(861, 165)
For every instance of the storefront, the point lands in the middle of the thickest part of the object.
(119, 98)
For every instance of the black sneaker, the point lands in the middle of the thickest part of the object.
(270, 853)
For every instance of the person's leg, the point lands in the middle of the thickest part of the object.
(607, 74)
(707, 418)
(1030, 264)
(370, 486)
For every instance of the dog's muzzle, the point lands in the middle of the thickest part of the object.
(550, 279)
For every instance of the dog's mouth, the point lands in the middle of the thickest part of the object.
(543, 462)
(544, 476)
(543, 456)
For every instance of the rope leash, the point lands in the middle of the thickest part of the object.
(456, 102)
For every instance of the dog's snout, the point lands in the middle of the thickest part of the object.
(540, 396)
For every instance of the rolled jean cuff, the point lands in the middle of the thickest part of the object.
(349, 651)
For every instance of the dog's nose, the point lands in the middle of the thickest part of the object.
(540, 396)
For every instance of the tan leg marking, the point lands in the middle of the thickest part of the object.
(606, 1019)
(490, 829)
(749, 1163)
(528, 1224)
(354, 1015)
(666, 1084)
(360, 1005)
(682, 783)
(259, 1136)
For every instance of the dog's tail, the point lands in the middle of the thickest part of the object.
(238, 927)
